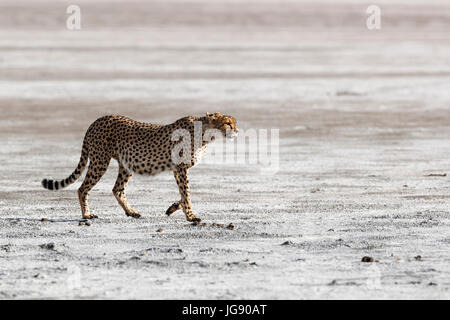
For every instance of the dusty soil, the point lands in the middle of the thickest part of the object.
(364, 144)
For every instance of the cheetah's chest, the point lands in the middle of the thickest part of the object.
(199, 154)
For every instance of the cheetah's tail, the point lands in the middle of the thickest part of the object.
(55, 185)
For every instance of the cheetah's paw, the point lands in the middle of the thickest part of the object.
(90, 216)
(133, 214)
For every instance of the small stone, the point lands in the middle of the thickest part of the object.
(6, 247)
(87, 223)
(418, 258)
(432, 284)
(48, 246)
(230, 226)
(287, 243)
(367, 259)
(159, 230)
(44, 220)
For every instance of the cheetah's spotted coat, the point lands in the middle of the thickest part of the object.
(140, 148)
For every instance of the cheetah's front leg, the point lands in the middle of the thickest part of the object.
(181, 176)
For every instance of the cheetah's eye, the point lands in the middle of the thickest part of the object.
(229, 124)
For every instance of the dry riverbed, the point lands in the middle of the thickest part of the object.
(363, 152)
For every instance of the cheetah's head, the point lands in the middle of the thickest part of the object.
(226, 124)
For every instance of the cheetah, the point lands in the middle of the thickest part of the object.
(146, 149)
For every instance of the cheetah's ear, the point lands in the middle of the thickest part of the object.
(210, 118)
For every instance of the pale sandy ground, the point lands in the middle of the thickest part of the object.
(363, 118)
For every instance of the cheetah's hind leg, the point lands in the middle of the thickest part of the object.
(97, 168)
(123, 178)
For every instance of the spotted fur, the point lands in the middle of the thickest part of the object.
(140, 148)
